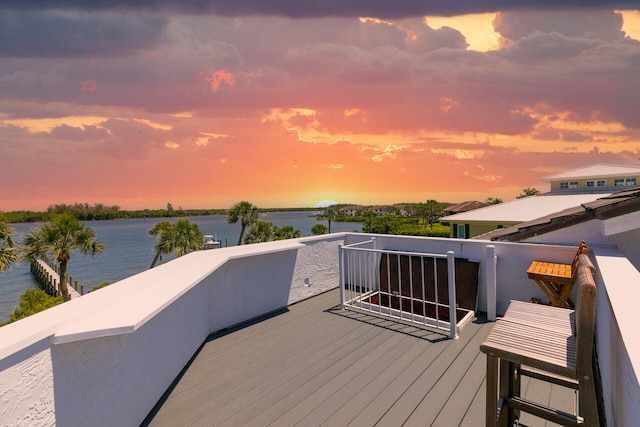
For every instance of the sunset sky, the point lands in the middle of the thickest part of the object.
(203, 103)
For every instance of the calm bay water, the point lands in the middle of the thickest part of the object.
(130, 250)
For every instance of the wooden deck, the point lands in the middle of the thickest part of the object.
(313, 364)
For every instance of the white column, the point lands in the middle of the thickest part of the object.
(453, 318)
(492, 260)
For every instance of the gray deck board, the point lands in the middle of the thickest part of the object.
(313, 364)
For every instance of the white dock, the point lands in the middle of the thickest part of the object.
(49, 278)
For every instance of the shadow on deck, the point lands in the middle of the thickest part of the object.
(313, 364)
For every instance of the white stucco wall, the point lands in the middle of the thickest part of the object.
(26, 389)
(618, 336)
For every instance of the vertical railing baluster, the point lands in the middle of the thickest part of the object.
(411, 286)
(351, 290)
(361, 295)
(453, 323)
(424, 295)
(435, 289)
(341, 280)
(399, 264)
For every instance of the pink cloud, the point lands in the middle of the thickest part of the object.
(218, 78)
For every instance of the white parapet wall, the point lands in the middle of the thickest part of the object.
(107, 358)
(618, 336)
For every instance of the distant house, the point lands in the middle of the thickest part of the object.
(352, 210)
(568, 189)
(606, 178)
(402, 208)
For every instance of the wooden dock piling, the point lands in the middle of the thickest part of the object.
(49, 279)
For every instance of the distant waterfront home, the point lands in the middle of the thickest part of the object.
(607, 178)
(352, 210)
(568, 189)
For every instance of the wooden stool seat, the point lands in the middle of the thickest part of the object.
(542, 316)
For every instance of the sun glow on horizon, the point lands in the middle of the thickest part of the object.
(325, 203)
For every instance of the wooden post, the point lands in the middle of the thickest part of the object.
(81, 289)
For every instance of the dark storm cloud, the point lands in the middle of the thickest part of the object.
(321, 8)
(75, 33)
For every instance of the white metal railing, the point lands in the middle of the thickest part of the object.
(398, 284)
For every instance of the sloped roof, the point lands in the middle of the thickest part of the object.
(525, 209)
(610, 206)
(594, 171)
(465, 206)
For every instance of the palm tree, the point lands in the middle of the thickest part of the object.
(180, 238)
(528, 192)
(330, 214)
(261, 231)
(493, 201)
(287, 232)
(8, 254)
(57, 239)
(319, 229)
(244, 212)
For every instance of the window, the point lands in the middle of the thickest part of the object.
(568, 185)
(591, 184)
(602, 183)
(631, 182)
(618, 182)
(462, 228)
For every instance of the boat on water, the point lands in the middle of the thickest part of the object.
(211, 241)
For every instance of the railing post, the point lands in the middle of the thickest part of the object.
(453, 318)
(492, 260)
(374, 262)
(341, 272)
